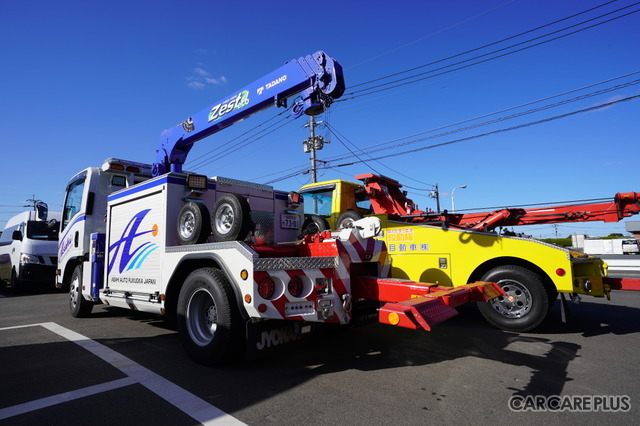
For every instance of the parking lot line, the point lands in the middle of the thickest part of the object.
(185, 401)
(38, 404)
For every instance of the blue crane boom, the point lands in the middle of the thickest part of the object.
(318, 76)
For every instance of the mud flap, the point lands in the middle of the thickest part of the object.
(265, 338)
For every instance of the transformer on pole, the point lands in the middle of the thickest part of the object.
(312, 144)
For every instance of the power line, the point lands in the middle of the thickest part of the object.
(508, 129)
(379, 88)
(434, 33)
(377, 147)
(211, 156)
(500, 119)
(517, 107)
(340, 137)
(520, 126)
(485, 46)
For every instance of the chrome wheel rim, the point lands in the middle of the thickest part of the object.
(517, 301)
(224, 219)
(201, 317)
(187, 225)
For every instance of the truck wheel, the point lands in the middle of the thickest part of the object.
(78, 305)
(526, 302)
(16, 283)
(207, 318)
(314, 224)
(194, 224)
(346, 219)
(231, 218)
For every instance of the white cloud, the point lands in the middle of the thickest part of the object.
(611, 99)
(216, 81)
(195, 85)
(201, 78)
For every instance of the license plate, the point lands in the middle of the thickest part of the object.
(289, 221)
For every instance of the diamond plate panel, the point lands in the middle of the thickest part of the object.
(241, 183)
(264, 227)
(237, 245)
(289, 263)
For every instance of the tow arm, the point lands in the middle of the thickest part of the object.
(416, 305)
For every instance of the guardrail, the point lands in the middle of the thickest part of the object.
(631, 264)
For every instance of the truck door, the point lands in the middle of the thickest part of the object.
(72, 228)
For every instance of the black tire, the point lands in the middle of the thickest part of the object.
(15, 282)
(231, 218)
(194, 224)
(526, 304)
(208, 321)
(553, 296)
(346, 219)
(78, 305)
(314, 224)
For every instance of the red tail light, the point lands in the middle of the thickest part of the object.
(295, 286)
(266, 288)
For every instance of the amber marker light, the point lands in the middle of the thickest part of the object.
(393, 318)
(247, 298)
(244, 274)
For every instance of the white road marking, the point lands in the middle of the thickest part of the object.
(192, 405)
(38, 404)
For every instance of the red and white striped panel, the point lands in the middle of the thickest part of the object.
(348, 248)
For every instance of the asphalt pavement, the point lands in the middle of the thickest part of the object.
(125, 367)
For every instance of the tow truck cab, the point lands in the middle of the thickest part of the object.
(331, 199)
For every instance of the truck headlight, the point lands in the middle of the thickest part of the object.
(28, 258)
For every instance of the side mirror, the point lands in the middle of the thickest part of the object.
(16, 235)
(42, 210)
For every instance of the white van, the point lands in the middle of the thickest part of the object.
(29, 249)
(630, 247)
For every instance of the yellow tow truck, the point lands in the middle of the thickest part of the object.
(443, 248)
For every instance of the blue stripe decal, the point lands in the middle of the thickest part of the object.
(140, 257)
(78, 219)
(144, 186)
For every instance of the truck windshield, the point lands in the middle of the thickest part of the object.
(41, 230)
(318, 203)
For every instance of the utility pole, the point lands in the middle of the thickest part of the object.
(39, 206)
(436, 194)
(32, 202)
(312, 144)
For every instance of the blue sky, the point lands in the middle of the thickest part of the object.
(82, 81)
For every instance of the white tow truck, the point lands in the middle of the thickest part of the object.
(224, 257)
